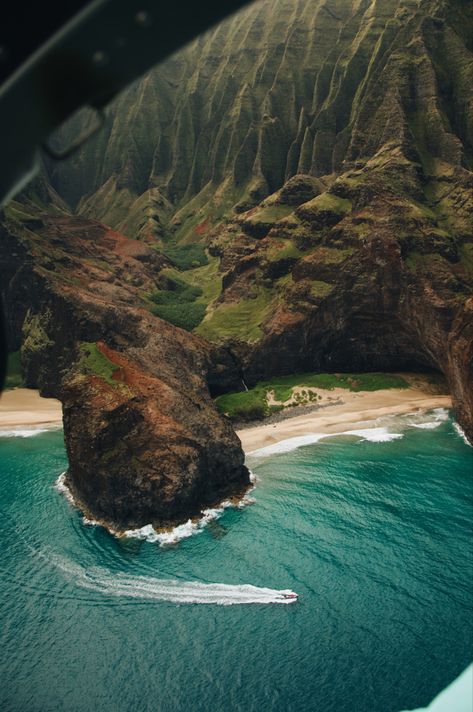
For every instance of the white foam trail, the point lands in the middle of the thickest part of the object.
(289, 444)
(462, 434)
(423, 421)
(144, 587)
(375, 435)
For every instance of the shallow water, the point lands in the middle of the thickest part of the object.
(375, 536)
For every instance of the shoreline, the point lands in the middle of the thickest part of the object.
(25, 408)
(360, 409)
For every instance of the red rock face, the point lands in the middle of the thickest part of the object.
(144, 440)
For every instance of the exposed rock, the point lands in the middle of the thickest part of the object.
(144, 440)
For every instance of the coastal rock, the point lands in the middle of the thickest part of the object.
(144, 440)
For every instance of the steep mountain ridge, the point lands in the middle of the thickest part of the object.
(282, 88)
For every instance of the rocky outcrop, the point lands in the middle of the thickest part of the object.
(144, 440)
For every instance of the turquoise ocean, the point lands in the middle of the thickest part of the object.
(373, 530)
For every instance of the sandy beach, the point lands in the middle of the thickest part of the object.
(358, 410)
(24, 407)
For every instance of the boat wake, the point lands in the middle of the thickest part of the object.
(153, 589)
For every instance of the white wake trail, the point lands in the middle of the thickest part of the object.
(147, 588)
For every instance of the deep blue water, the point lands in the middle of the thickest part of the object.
(376, 537)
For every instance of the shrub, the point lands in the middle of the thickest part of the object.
(186, 315)
(187, 256)
(177, 304)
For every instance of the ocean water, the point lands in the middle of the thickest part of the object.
(374, 532)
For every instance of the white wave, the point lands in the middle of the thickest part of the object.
(23, 432)
(430, 425)
(289, 444)
(189, 528)
(89, 522)
(427, 421)
(441, 414)
(462, 434)
(144, 587)
(61, 487)
(375, 435)
(164, 537)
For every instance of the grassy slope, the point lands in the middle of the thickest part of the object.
(253, 404)
(240, 320)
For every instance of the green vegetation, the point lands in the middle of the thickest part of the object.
(320, 289)
(282, 249)
(17, 211)
(186, 316)
(208, 278)
(14, 377)
(179, 290)
(253, 404)
(270, 214)
(466, 256)
(419, 210)
(328, 202)
(35, 337)
(178, 304)
(238, 320)
(94, 362)
(187, 256)
(247, 405)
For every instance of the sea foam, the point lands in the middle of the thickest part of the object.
(166, 537)
(459, 430)
(376, 435)
(187, 529)
(424, 421)
(23, 432)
